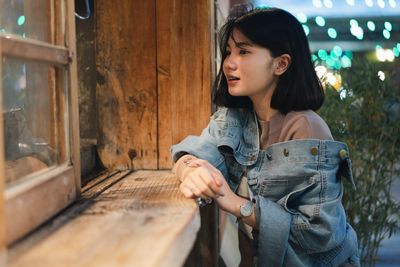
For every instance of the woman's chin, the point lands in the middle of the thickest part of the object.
(234, 92)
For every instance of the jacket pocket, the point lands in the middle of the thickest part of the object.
(283, 191)
(295, 198)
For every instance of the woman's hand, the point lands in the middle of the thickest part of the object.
(201, 179)
(206, 181)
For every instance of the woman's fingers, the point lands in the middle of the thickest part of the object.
(207, 184)
(212, 180)
(218, 178)
(201, 187)
(216, 174)
(186, 191)
(201, 183)
(197, 189)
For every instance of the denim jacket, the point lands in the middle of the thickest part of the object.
(297, 186)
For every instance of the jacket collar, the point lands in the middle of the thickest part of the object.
(241, 135)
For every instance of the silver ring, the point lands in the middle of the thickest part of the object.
(201, 202)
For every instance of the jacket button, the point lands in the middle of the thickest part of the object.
(314, 151)
(342, 153)
(286, 152)
(269, 156)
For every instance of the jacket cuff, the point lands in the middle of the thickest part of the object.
(274, 229)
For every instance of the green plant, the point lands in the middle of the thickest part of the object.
(365, 114)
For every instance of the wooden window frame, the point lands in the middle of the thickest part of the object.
(63, 180)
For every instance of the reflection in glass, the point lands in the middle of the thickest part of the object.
(33, 129)
(27, 18)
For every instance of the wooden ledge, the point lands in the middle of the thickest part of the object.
(126, 219)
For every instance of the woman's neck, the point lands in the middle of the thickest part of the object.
(262, 106)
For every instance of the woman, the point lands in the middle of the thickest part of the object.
(266, 156)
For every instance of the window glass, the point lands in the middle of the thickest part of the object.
(34, 131)
(26, 18)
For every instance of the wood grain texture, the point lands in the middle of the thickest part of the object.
(2, 175)
(36, 200)
(74, 144)
(183, 71)
(126, 83)
(34, 50)
(136, 220)
(61, 99)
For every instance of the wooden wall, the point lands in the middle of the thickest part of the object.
(126, 83)
(183, 71)
(2, 178)
(153, 62)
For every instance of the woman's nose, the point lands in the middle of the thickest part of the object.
(230, 64)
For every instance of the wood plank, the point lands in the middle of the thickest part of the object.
(140, 220)
(184, 70)
(19, 47)
(57, 25)
(36, 200)
(73, 123)
(2, 176)
(126, 83)
(60, 123)
(102, 182)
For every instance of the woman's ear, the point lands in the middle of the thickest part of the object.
(282, 63)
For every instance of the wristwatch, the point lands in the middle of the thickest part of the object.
(246, 209)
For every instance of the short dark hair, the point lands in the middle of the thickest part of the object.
(281, 33)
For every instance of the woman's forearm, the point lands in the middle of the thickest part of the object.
(233, 204)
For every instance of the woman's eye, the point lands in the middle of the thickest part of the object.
(243, 52)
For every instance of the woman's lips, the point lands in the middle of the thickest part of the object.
(233, 82)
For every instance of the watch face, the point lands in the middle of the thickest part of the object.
(246, 209)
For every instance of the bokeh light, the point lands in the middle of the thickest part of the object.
(302, 17)
(371, 26)
(21, 20)
(306, 29)
(332, 33)
(320, 21)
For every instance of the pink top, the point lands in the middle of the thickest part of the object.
(294, 125)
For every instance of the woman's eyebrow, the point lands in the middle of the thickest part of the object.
(240, 44)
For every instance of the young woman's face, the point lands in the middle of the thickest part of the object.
(248, 68)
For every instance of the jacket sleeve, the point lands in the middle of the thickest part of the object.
(272, 218)
(204, 147)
